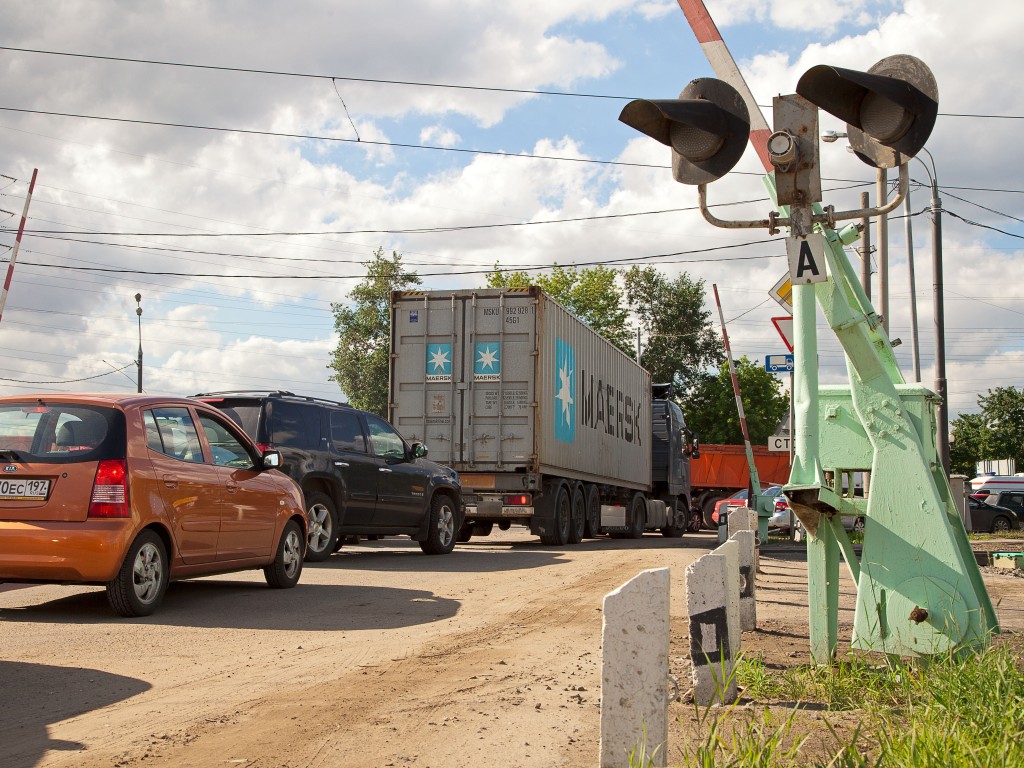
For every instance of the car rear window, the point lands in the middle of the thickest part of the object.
(60, 433)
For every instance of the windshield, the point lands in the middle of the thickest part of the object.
(60, 433)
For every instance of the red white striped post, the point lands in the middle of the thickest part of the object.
(754, 479)
(724, 66)
(17, 243)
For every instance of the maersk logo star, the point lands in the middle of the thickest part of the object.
(565, 390)
(488, 358)
(439, 359)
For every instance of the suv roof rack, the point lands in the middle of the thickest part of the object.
(282, 393)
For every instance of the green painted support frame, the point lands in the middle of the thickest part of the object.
(919, 588)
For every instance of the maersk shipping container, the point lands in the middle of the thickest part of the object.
(508, 388)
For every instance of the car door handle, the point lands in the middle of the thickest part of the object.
(171, 483)
(232, 488)
(341, 463)
(383, 469)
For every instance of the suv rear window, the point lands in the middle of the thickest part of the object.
(60, 433)
(245, 413)
(294, 425)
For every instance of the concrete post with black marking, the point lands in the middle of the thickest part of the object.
(713, 605)
(747, 552)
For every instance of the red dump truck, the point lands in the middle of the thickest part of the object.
(722, 470)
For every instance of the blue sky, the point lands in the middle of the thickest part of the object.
(220, 331)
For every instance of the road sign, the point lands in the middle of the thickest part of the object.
(778, 363)
(782, 292)
(784, 325)
(778, 443)
(806, 259)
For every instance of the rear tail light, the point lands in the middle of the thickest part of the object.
(781, 506)
(110, 490)
(517, 500)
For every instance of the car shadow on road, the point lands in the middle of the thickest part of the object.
(225, 604)
(463, 560)
(36, 695)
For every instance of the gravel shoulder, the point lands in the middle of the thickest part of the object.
(381, 657)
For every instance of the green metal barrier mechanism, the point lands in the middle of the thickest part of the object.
(919, 588)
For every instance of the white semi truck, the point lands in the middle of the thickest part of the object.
(548, 424)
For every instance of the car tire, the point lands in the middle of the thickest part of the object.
(1001, 524)
(638, 516)
(323, 527)
(578, 520)
(441, 530)
(139, 586)
(286, 569)
(592, 528)
(561, 518)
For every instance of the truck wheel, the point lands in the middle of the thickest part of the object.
(483, 529)
(676, 523)
(708, 507)
(465, 533)
(592, 527)
(561, 520)
(579, 515)
(638, 516)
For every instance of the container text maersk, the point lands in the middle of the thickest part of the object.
(610, 409)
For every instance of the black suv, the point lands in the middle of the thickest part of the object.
(359, 476)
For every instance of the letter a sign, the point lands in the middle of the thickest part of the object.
(806, 259)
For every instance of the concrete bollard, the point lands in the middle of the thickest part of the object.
(747, 554)
(714, 623)
(741, 519)
(634, 671)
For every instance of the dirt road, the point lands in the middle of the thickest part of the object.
(381, 657)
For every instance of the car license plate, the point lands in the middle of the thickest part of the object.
(24, 488)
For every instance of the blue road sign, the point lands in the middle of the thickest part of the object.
(778, 363)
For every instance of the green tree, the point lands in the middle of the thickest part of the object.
(965, 443)
(681, 341)
(592, 294)
(360, 361)
(1003, 437)
(710, 409)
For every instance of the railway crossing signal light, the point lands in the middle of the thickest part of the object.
(706, 127)
(889, 110)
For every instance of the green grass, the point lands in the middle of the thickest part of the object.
(861, 714)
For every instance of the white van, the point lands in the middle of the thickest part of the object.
(983, 485)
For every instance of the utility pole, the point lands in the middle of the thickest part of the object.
(865, 246)
(138, 361)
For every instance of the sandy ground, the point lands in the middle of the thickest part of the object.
(381, 657)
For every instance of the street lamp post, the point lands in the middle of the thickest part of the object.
(138, 361)
(939, 313)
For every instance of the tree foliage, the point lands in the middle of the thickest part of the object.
(996, 433)
(710, 409)
(592, 294)
(360, 361)
(681, 342)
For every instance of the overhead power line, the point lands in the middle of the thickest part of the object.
(448, 272)
(381, 81)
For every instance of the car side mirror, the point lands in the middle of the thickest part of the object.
(419, 450)
(272, 460)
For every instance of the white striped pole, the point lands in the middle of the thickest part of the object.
(17, 243)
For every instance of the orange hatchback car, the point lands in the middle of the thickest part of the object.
(133, 491)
